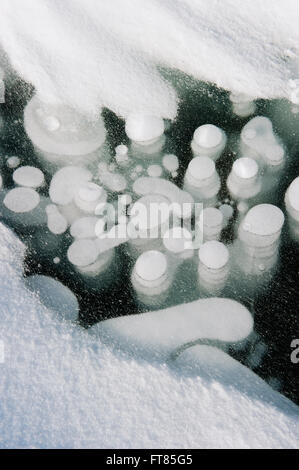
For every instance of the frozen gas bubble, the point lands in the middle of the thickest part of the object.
(211, 223)
(177, 239)
(245, 168)
(201, 168)
(227, 211)
(56, 260)
(211, 217)
(66, 182)
(100, 227)
(149, 212)
(155, 171)
(208, 136)
(114, 182)
(182, 201)
(103, 168)
(112, 167)
(1, 181)
(264, 220)
(90, 192)
(243, 105)
(13, 162)
(121, 150)
(21, 200)
(83, 252)
(57, 223)
(88, 197)
(60, 130)
(100, 209)
(142, 128)
(242, 207)
(28, 176)
(274, 155)
(84, 227)
(51, 123)
(250, 134)
(54, 295)
(293, 194)
(213, 254)
(151, 265)
(138, 168)
(170, 163)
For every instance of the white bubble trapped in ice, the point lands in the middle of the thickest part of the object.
(209, 141)
(243, 105)
(202, 180)
(83, 252)
(114, 182)
(89, 196)
(28, 176)
(292, 207)
(61, 135)
(244, 181)
(170, 163)
(21, 200)
(211, 222)
(227, 211)
(55, 296)
(261, 226)
(178, 242)
(66, 182)
(1, 181)
(182, 202)
(84, 227)
(57, 223)
(151, 278)
(13, 162)
(144, 129)
(258, 141)
(213, 267)
(155, 171)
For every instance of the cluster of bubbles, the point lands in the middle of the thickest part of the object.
(93, 194)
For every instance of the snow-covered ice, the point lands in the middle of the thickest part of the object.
(90, 54)
(63, 387)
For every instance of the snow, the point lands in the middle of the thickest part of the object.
(63, 387)
(91, 54)
(54, 295)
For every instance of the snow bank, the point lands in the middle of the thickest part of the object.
(62, 387)
(90, 54)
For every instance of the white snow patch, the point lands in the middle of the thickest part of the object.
(62, 387)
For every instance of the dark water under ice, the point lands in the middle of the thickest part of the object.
(275, 309)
